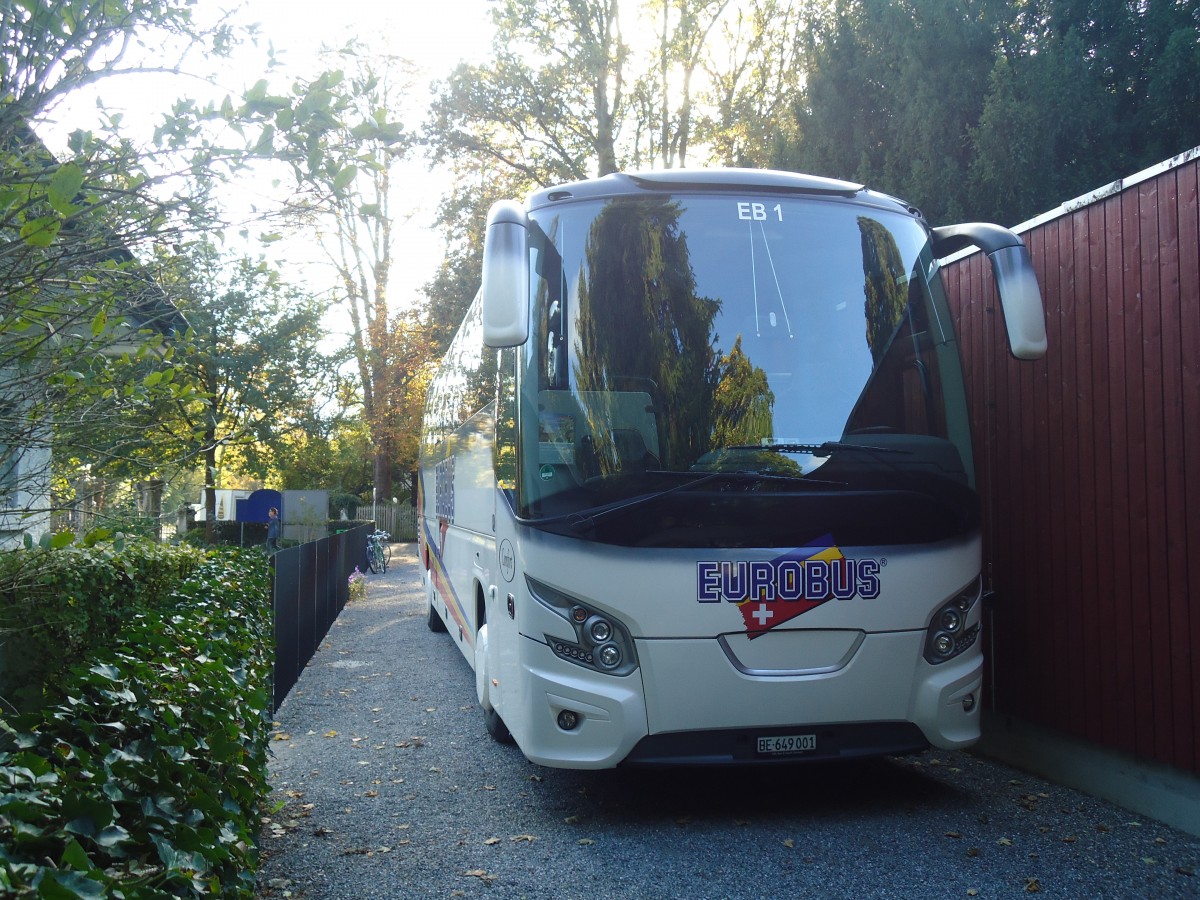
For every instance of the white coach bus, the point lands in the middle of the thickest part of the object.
(696, 473)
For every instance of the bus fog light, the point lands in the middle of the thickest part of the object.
(568, 720)
(968, 702)
(943, 644)
(610, 656)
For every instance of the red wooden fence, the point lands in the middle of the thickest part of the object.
(1089, 463)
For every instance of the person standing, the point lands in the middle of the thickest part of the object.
(273, 527)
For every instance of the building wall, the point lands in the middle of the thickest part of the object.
(1089, 465)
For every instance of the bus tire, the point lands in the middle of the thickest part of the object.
(496, 728)
(433, 620)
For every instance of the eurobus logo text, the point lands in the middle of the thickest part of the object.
(770, 592)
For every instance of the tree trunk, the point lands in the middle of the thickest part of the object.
(210, 488)
(383, 470)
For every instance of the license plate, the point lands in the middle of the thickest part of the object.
(787, 743)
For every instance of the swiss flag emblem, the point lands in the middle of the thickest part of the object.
(761, 615)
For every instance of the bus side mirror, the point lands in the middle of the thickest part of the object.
(505, 276)
(1020, 297)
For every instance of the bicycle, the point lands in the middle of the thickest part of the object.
(379, 552)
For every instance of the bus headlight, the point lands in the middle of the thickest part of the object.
(609, 656)
(601, 642)
(600, 630)
(949, 633)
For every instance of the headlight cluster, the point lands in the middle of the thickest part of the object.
(601, 642)
(950, 632)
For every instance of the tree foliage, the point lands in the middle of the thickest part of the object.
(993, 110)
(255, 359)
(82, 324)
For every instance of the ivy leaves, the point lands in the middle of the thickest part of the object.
(146, 779)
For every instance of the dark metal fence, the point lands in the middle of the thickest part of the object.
(310, 590)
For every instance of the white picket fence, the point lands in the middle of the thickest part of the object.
(397, 519)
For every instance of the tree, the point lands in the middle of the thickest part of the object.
(753, 81)
(255, 358)
(993, 110)
(340, 134)
(892, 89)
(1048, 131)
(549, 120)
(81, 322)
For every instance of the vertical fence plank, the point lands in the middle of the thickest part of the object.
(1188, 622)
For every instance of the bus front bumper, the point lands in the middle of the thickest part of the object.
(687, 704)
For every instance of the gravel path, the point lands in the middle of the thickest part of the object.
(388, 786)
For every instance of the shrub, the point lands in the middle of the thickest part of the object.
(58, 605)
(145, 781)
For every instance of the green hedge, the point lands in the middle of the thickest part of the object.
(146, 780)
(57, 607)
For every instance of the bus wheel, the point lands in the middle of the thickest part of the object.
(496, 728)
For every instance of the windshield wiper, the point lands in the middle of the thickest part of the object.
(826, 449)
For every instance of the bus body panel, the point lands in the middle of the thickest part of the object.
(456, 526)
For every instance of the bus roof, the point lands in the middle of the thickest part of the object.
(714, 180)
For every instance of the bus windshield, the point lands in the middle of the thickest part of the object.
(723, 369)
